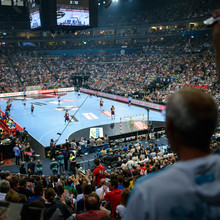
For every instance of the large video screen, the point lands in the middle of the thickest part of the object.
(34, 13)
(73, 13)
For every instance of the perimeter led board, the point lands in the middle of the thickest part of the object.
(96, 132)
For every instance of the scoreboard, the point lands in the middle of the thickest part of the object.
(34, 14)
(73, 13)
(63, 14)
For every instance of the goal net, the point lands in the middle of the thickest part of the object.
(133, 123)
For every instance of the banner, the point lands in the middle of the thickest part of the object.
(96, 132)
(124, 99)
(11, 94)
(197, 86)
(4, 95)
(166, 79)
(140, 125)
(90, 116)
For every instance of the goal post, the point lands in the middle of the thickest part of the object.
(133, 123)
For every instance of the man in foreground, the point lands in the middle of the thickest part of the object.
(92, 209)
(190, 188)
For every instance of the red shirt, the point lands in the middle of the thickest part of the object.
(91, 215)
(99, 173)
(115, 199)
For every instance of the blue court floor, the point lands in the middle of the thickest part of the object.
(48, 117)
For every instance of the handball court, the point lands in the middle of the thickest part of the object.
(47, 120)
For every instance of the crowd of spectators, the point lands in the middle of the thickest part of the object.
(31, 71)
(100, 194)
(85, 193)
(9, 80)
(187, 60)
(131, 78)
(175, 11)
(189, 70)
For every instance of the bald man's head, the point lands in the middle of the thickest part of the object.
(193, 115)
(91, 203)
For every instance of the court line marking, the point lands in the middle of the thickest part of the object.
(45, 134)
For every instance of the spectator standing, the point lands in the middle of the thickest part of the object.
(67, 144)
(113, 197)
(65, 154)
(39, 168)
(22, 149)
(54, 166)
(22, 169)
(92, 141)
(31, 166)
(60, 159)
(52, 151)
(52, 142)
(72, 160)
(106, 139)
(17, 154)
(191, 118)
(24, 134)
(98, 173)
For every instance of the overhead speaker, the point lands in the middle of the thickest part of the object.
(107, 4)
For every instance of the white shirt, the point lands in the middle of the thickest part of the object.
(2, 196)
(187, 188)
(99, 191)
(120, 209)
